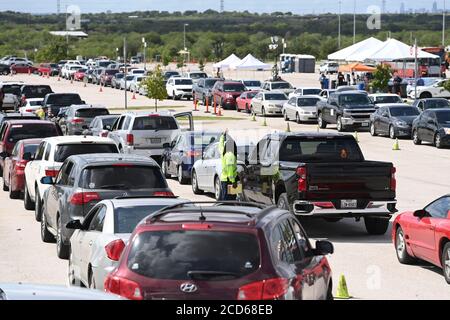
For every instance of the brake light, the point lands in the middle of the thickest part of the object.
(130, 139)
(20, 166)
(51, 173)
(77, 120)
(196, 226)
(264, 290)
(163, 194)
(104, 134)
(193, 153)
(80, 198)
(114, 249)
(302, 179)
(123, 287)
(393, 180)
(29, 110)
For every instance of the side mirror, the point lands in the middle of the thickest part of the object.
(4, 155)
(47, 181)
(324, 248)
(74, 225)
(107, 127)
(27, 156)
(420, 213)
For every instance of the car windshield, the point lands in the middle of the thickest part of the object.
(198, 75)
(252, 83)
(31, 131)
(404, 111)
(193, 255)
(320, 150)
(64, 99)
(127, 218)
(36, 91)
(63, 151)
(183, 82)
(91, 112)
(275, 96)
(437, 104)
(119, 75)
(311, 92)
(111, 72)
(155, 123)
(210, 83)
(129, 78)
(443, 117)
(169, 74)
(389, 99)
(204, 139)
(353, 99)
(307, 102)
(281, 85)
(251, 95)
(123, 177)
(233, 87)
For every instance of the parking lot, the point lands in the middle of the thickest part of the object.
(369, 263)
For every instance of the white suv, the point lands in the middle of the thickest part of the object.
(329, 68)
(68, 70)
(49, 157)
(179, 88)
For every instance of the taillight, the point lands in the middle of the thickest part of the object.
(324, 205)
(77, 120)
(24, 99)
(29, 110)
(163, 194)
(130, 139)
(114, 249)
(80, 198)
(51, 173)
(193, 153)
(123, 287)
(393, 180)
(264, 290)
(302, 179)
(196, 226)
(20, 166)
(104, 134)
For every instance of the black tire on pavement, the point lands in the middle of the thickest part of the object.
(46, 235)
(62, 250)
(37, 206)
(181, 179)
(27, 203)
(416, 139)
(446, 261)
(392, 134)
(283, 202)
(164, 170)
(13, 194)
(373, 130)
(437, 141)
(376, 226)
(322, 123)
(5, 187)
(194, 183)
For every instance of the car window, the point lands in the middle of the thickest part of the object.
(98, 220)
(63, 176)
(91, 112)
(440, 208)
(210, 152)
(300, 235)
(126, 123)
(30, 131)
(291, 241)
(119, 124)
(15, 151)
(127, 218)
(47, 152)
(292, 101)
(280, 247)
(63, 151)
(155, 123)
(40, 151)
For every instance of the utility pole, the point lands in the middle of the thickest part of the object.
(339, 27)
(443, 25)
(145, 49)
(354, 21)
(415, 68)
(125, 69)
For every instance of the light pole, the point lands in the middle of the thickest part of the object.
(184, 41)
(125, 69)
(274, 46)
(443, 25)
(339, 27)
(145, 49)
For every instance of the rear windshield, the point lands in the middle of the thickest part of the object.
(31, 131)
(311, 92)
(404, 112)
(275, 96)
(109, 121)
(111, 72)
(320, 150)
(119, 75)
(252, 83)
(30, 148)
(185, 82)
(35, 103)
(193, 255)
(436, 104)
(210, 83)
(64, 99)
(91, 112)
(443, 117)
(389, 99)
(155, 123)
(119, 177)
(235, 87)
(36, 91)
(14, 89)
(198, 75)
(64, 151)
(127, 218)
(281, 85)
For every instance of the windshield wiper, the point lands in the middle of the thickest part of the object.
(113, 186)
(201, 275)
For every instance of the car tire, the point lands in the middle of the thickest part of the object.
(91, 281)
(400, 248)
(62, 250)
(446, 262)
(416, 139)
(13, 194)
(46, 236)
(217, 188)
(164, 170)
(37, 206)
(27, 203)
(247, 109)
(285, 116)
(392, 134)
(180, 177)
(194, 183)
(376, 226)
(322, 123)
(263, 112)
(425, 95)
(339, 126)
(437, 143)
(283, 202)
(5, 187)
(173, 95)
(297, 118)
(373, 130)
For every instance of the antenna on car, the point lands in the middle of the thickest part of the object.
(202, 217)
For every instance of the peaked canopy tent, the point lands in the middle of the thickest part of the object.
(251, 63)
(228, 63)
(356, 67)
(393, 49)
(344, 54)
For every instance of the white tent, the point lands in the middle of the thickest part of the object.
(393, 49)
(228, 62)
(345, 53)
(251, 63)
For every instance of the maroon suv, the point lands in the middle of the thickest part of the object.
(225, 93)
(221, 251)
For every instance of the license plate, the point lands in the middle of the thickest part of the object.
(234, 191)
(365, 124)
(155, 140)
(349, 204)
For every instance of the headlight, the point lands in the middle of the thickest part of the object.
(229, 96)
(401, 123)
(447, 130)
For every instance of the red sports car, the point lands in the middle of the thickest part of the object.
(425, 234)
(13, 172)
(244, 101)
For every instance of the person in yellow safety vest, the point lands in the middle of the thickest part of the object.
(228, 156)
(40, 113)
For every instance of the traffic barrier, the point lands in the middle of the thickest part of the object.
(356, 136)
(396, 146)
(134, 95)
(101, 89)
(219, 114)
(342, 290)
(29, 71)
(207, 107)
(288, 129)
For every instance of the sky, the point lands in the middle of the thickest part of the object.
(295, 6)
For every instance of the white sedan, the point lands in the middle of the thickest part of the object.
(268, 103)
(301, 108)
(99, 239)
(435, 90)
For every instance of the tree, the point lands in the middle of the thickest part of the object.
(155, 86)
(56, 50)
(381, 77)
(165, 60)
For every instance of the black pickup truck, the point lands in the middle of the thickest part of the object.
(321, 175)
(347, 109)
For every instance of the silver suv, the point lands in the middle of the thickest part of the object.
(148, 133)
(78, 118)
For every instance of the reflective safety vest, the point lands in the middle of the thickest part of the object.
(229, 163)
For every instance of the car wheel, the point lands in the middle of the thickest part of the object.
(5, 187)
(416, 139)
(164, 170)
(194, 183)
(181, 179)
(71, 274)
(46, 235)
(446, 262)
(92, 281)
(297, 118)
(322, 123)
(376, 226)
(173, 96)
(27, 203)
(283, 202)
(437, 144)
(400, 247)
(392, 134)
(286, 118)
(339, 125)
(217, 188)
(263, 112)
(37, 206)
(373, 130)
(13, 194)
(425, 95)
(62, 250)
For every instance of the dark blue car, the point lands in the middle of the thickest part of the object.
(187, 148)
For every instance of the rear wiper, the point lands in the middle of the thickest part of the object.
(113, 186)
(200, 275)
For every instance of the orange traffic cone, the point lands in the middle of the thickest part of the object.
(101, 89)
(219, 114)
(59, 78)
(134, 96)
